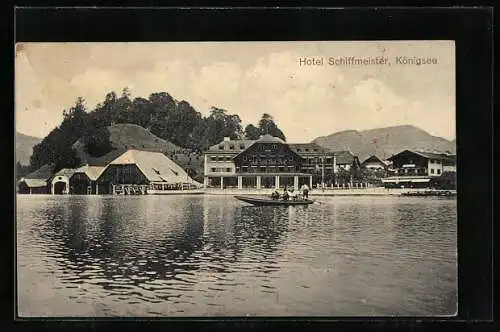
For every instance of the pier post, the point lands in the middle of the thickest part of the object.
(221, 182)
(310, 181)
(277, 181)
(240, 182)
(205, 181)
(258, 181)
(296, 182)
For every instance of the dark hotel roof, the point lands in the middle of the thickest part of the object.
(427, 155)
(343, 157)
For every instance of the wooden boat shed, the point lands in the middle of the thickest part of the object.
(136, 171)
(36, 182)
(84, 180)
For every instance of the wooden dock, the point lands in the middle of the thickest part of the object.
(130, 189)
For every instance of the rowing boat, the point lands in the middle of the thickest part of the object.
(269, 201)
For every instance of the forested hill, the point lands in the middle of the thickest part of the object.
(88, 134)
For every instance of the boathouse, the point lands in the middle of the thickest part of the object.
(36, 182)
(84, 180)
(136, 171)
(59, 184)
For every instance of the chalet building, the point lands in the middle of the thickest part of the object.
(59, 184)
(343, 160)
(418, 168)
(84, 180)
(136, 172)
(374, 162)
(36, 182)
(268, 162)
(318, 161)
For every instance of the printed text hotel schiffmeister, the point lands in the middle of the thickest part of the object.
(366, 61)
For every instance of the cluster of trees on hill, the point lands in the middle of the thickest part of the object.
(165, 117)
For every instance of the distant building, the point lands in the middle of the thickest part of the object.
(318, 161)
(343, 160)
(374, 162)
(59, 183)
(36, 182)
(84, 180)
(136, 171)
(417, 168)
(268, 162)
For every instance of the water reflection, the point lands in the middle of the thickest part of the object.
(216, 255)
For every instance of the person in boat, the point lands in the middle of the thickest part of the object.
(292, 194)
(305, 191)
(275, 195)
(285, 195)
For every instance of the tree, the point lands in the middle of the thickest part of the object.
(220, 125)
(355, 169)
(252, 132)
(56, 147)
(96, 141)
(268, 127)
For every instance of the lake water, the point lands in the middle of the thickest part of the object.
(213, 255)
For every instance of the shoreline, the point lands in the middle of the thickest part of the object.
(379, 191)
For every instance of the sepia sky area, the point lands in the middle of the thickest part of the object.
(247, 78)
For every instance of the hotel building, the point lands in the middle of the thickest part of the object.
(268, 162)
(418, 168)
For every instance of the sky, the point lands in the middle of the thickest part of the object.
(248, 79)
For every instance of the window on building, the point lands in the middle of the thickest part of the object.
(439, 171)
(213, 158)
(262, 169)
(281, 169)
(298, 150)
(213, 169)
(231, 147)
(315, 150)
(432, 170)
(306, 150)
(228, 169)
(221, 147)
(242, 146)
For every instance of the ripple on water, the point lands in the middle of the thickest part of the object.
(198, 252)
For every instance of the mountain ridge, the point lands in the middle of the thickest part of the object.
(385, 141)
(24, 147)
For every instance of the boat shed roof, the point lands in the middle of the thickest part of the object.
(155, 166)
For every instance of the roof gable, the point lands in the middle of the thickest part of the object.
(155, 166)
(305, 148)
(237, 146)
(344, 157)
(43, 173)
